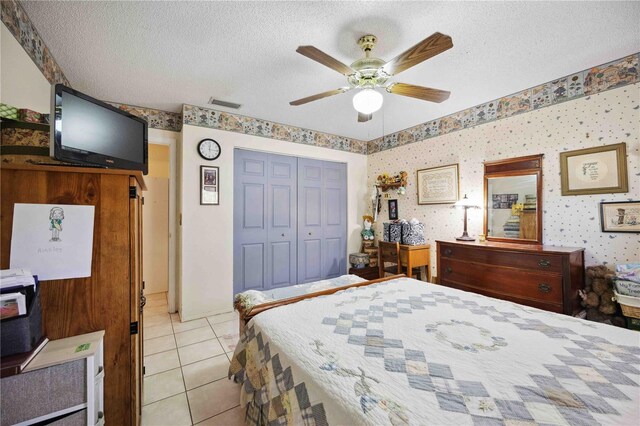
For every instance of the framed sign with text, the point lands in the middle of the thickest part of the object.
(438, 185)
(597, 170)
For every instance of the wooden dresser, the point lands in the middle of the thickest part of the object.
(545, 277)
(111, 299)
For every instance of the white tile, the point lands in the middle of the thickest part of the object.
(154, 320)
(163, 361)
(214, 398)
(226, 328)
(199, 351)
(159, 344)
(216, 319)
(229, 342)
(205, 371)
(194, 336)
(233, 417)
(179, 327)
(150, 311)
(163, 385)
(151, 332)
(175, 317)
(172, 411)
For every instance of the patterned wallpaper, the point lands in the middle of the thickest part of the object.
(593, 120)
(157, 119)
(18, 23)
(598, 79)
(205, 117)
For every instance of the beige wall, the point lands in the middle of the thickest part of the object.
(574, 221)
(207, 231)
(158, 160)
(22, 85)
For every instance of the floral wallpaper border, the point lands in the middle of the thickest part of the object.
(611, 75)
(214, 119)
(18, 23)
(156, 118)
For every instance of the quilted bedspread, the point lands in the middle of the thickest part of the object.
(407, 352)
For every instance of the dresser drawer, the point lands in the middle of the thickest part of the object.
(514, 259)
(525, 284)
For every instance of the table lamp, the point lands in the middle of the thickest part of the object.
(465, 203)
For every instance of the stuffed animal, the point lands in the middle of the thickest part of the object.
(367, 233)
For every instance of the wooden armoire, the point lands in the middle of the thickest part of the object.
(111, 299)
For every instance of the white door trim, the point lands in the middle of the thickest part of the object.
(164, 137)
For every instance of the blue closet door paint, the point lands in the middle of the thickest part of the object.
(322, 215)
(250, 209)
(282, 221)
(334, 261)
(310, 223)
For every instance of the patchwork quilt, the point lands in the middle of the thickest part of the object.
(407, 352)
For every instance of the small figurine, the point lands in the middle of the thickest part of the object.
(367, 233)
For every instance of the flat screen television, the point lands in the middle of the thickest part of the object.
(88, 131)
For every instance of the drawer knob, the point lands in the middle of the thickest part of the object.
(448, 251)
(448, 269)
(544, 263)
(544, 288)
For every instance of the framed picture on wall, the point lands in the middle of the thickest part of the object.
(393, 209)
(597, 170)
(439, 185)
(620, 216)
(209, 186)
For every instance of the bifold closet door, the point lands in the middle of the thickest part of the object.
(264, 221)
(322, 214)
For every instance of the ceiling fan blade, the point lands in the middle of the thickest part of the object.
(429, 47)
(419, 92)
(326, 60)
(364, 117)
(319, 96)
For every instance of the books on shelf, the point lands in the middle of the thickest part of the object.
(15, 364)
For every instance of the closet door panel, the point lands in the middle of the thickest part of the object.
(334, 219)
(310, 220)
(250, 226)
(282, 221)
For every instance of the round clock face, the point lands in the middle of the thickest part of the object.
(209, 149)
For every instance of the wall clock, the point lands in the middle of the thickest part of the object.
(209, 149)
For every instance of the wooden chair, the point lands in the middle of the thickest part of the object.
(390, 253)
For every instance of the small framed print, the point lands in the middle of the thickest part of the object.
(393, 209)
(597, 170)
(438, 185)
(209, 186)
(620, 216)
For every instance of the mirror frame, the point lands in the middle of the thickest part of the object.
(530, 165)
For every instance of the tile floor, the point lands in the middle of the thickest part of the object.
(186, 368)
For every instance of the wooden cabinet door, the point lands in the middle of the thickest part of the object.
(135, 248)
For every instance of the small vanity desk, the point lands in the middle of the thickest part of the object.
(513, 264)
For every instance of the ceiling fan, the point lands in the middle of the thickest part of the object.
(369, 73)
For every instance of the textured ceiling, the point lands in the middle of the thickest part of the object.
(163, 54)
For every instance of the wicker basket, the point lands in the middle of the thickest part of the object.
(630, 305)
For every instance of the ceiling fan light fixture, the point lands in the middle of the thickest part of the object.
(367, 101)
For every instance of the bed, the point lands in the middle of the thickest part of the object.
(404, 352)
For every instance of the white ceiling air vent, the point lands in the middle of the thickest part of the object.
(225, 104)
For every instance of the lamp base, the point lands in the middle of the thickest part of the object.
(465, 238)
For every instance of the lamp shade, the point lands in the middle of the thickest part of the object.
(367, 101)
(465, 202)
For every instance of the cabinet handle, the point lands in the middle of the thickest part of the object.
(544, 288)
(448, 251)
(283, 235)
(544, 263)
(448, 269)
(309, 233)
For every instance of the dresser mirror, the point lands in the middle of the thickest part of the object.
(513, 200)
